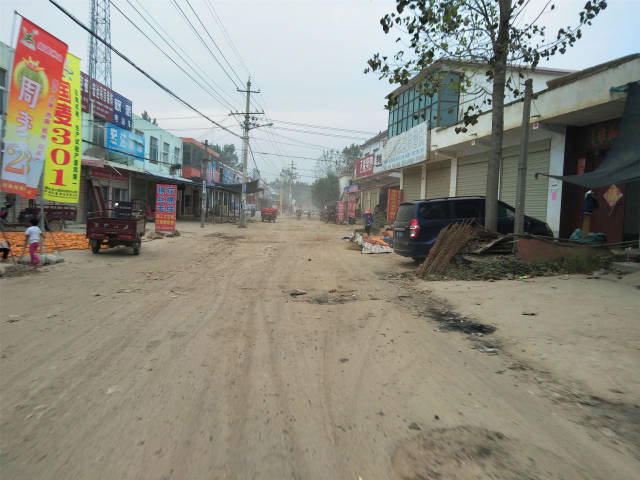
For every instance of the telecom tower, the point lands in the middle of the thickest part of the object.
(100, 54)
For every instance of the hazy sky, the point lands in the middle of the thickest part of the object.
(306, 56)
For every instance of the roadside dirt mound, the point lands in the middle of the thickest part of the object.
(470, 452)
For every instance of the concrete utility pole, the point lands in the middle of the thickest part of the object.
(245, 150)
(291, 177)
(203, 170)
(521, 185)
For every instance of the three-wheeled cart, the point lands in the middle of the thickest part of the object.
(268, 214)
(116, 226)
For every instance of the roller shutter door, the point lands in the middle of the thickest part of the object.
(438, 181)
(412, 178)
(536, 194)
(472, 175)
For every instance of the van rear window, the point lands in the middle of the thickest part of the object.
(435, 211)
(405, 213)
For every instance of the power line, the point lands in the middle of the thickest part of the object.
(212, 40)
(288, 156)
(323, 127)
(320, 133)
(219, 100)
(126, 59)
(192, 64)
(193, 29)
(226, 35)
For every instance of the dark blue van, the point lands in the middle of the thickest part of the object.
(419, 222)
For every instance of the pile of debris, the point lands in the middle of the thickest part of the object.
(467, 251)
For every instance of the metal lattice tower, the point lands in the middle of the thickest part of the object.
(100, 54)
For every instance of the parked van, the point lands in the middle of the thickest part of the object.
(419, 222)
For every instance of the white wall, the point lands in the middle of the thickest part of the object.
(480, 81)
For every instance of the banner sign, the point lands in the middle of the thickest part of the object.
(352, 205)
(166, 207)
(62, 163)
(100, 95)
(394, 198)
(84, 81)
(340, 212)
(364, 166)
(227, 176)
(123, 141)
(122, 111)
(406, 149)
(109, 174)
(216, 173)
(33, 87)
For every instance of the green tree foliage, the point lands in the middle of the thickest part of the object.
(324, 191)
(489, 34)
(228, 155)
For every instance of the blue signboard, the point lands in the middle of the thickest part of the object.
(227, 176)
(123, 141)
(122, 111)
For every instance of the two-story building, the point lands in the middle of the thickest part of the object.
(437, 161)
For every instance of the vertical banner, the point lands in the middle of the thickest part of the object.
(62, 163)
(33, 87)
(166, 208)
(394, 197)
(352, 205)
(340, 212)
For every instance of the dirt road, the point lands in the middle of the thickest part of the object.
(193, 361)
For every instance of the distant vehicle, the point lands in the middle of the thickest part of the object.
(419, 222)
(268, 214)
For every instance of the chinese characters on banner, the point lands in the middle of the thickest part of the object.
(352, 205)
(62, 164)
(364, 166)
(166, 208)
(340, 212)
(394, 197)
(37, 67)
(122, 111)
(119, 140)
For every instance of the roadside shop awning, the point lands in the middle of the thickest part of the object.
(252, 187)
(168, 178)
(622, 163)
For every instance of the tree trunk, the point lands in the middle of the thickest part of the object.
(500, 52)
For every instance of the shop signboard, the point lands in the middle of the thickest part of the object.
(63, 160)
(227, 176)
(33, 88)
(119, 140)
(364, 166)
(122, 111)
(394, 198)
(210, 172)
(340, 212)
(109, 174)
(166, 208)
(352, 205)
(216, 172)
(406, 149)
(84, 83)
(100, 95)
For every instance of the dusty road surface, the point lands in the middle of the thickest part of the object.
(193, 361)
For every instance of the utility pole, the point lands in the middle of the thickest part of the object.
(245, 148)
(203, 205)
(291, 176)
(521, 185)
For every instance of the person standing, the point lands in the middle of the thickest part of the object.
(368, 220)
(32, 237)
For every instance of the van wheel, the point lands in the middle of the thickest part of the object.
(418, 261)
(95, 245)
